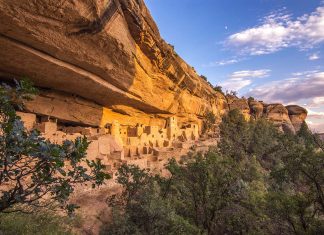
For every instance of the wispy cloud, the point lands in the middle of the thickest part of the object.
(307, 86)
(278, 31)
(315, 126)
(304, 73)
(317, 101)
(222, 63)
(240, 79)
(251, 73)
(315, 114)
(315, 120)
(314, 56)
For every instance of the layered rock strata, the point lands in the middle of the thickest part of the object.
(105, 72)
(108, 52)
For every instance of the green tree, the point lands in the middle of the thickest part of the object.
(256, 138)
(203, 77)
(212, 192)
(33, 171)
(143, 207)
(218, 89)
(209, 121)
(235, 135)
(256, 181)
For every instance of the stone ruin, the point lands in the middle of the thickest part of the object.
(114, 144)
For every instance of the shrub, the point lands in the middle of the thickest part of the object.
(34, 224)
(218, 89)
(204, 77)
(33, 171)
(208, 121)
(257, 181)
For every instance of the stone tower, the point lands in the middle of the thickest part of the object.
(115, 132)
(172, 128)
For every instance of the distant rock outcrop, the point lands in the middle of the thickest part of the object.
(297, 115)
(287, 119)
(256, 108)
(279, 115)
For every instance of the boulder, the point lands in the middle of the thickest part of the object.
(297, 115)
(256, 108)
(278, 114)
(240, 104)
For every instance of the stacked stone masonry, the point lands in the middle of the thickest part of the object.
(114, 144)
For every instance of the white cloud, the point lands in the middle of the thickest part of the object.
(278, 31)
(315, 115)
(235, 84)
(251, 73)
(222, 63)
(304, 73)
(315, 126)
(318, 100)
(309, 86)
(314, 56)
(240, 79)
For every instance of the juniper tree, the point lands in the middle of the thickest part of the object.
(33, 171)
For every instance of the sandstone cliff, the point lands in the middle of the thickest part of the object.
(103, 60)
(104, 72)
(107, 52)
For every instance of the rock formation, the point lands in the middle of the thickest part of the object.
(256, 108)
(105, 72)
(107, 52)
(297, 115)
(279, 115)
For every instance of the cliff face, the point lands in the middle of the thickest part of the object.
(108, 52)
(104, 60)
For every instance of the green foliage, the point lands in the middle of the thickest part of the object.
(212, 192)
(241, 139)
(204, 77)
(250, 99)
(209, 121)
(143, 207)
(218, 89)
(34, 224)
(258, 181)
(32, 168)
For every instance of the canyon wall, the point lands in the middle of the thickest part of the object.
(100, 61)
(107, 52)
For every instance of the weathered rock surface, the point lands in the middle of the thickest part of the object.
(65, 107)
(297, 115)
(256, 108)
(102, 61)
(109, 52)
(240, 104)
(278, 114)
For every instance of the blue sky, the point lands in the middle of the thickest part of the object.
(271, 49)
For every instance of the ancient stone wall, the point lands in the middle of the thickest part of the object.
(114, 144)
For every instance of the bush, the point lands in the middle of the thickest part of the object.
(34, 224)
(204, 77)
(208, 121)
(258, 181)
(33, 171)
(144, 206)
(218, 89)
